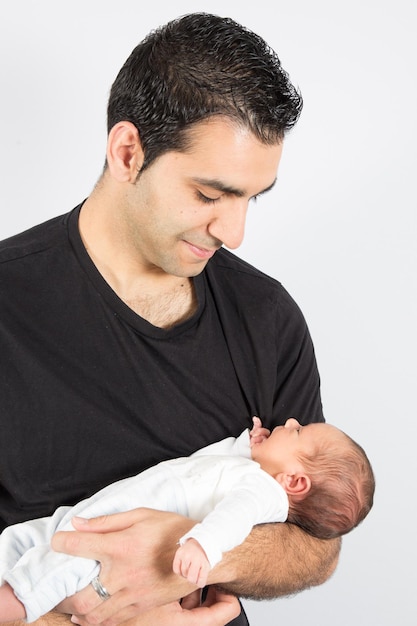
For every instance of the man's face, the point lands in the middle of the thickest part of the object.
(186, 205)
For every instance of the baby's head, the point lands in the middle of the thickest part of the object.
(327, 476)
(342, 486)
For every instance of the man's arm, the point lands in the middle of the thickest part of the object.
(276, 560)
(136, 550)
(51, 619)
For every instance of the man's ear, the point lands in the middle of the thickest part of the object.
(298, 484)
(124, 152)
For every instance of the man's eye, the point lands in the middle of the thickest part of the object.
(206, 199)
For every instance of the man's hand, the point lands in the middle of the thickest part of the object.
(218, 609)
(191, 562)
(136, 551)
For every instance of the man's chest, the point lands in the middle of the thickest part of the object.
(98, 403)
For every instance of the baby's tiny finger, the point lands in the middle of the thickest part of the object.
(256, 421)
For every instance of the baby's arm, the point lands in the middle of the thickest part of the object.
(249, 496)
(191, 562)
(258, 432)
(10, 607)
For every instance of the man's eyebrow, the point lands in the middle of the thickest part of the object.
(271, 186)
(214, 183)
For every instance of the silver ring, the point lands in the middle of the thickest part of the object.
(100, 589)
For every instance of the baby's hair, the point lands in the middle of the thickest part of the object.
(342, 490)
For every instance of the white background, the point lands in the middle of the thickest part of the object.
(339, 230)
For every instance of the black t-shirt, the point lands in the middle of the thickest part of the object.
(90, 392)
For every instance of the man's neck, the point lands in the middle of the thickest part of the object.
(161, 299)
(165, 308)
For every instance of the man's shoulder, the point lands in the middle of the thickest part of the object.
(224, 259)
(240, 280)
(34, 240)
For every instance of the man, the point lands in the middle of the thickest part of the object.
(129, 335)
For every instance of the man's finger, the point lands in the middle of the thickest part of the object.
(85, 543)
(111, 523)
(79, 544)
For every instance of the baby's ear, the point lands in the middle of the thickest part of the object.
(298, 484)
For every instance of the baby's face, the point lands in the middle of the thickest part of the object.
(281, 451)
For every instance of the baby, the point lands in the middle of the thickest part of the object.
(314, 476)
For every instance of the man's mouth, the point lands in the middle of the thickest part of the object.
(201, 253)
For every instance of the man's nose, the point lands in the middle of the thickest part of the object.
(228, 226)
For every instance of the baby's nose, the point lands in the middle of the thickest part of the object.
(292, 423)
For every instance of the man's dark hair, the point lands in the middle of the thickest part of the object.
(196, 67)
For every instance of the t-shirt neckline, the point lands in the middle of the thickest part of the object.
(118, 306)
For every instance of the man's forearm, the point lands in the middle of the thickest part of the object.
(276, 560)
(50, 619)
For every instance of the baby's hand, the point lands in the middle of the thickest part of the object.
(190, 561)
(258, 433)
